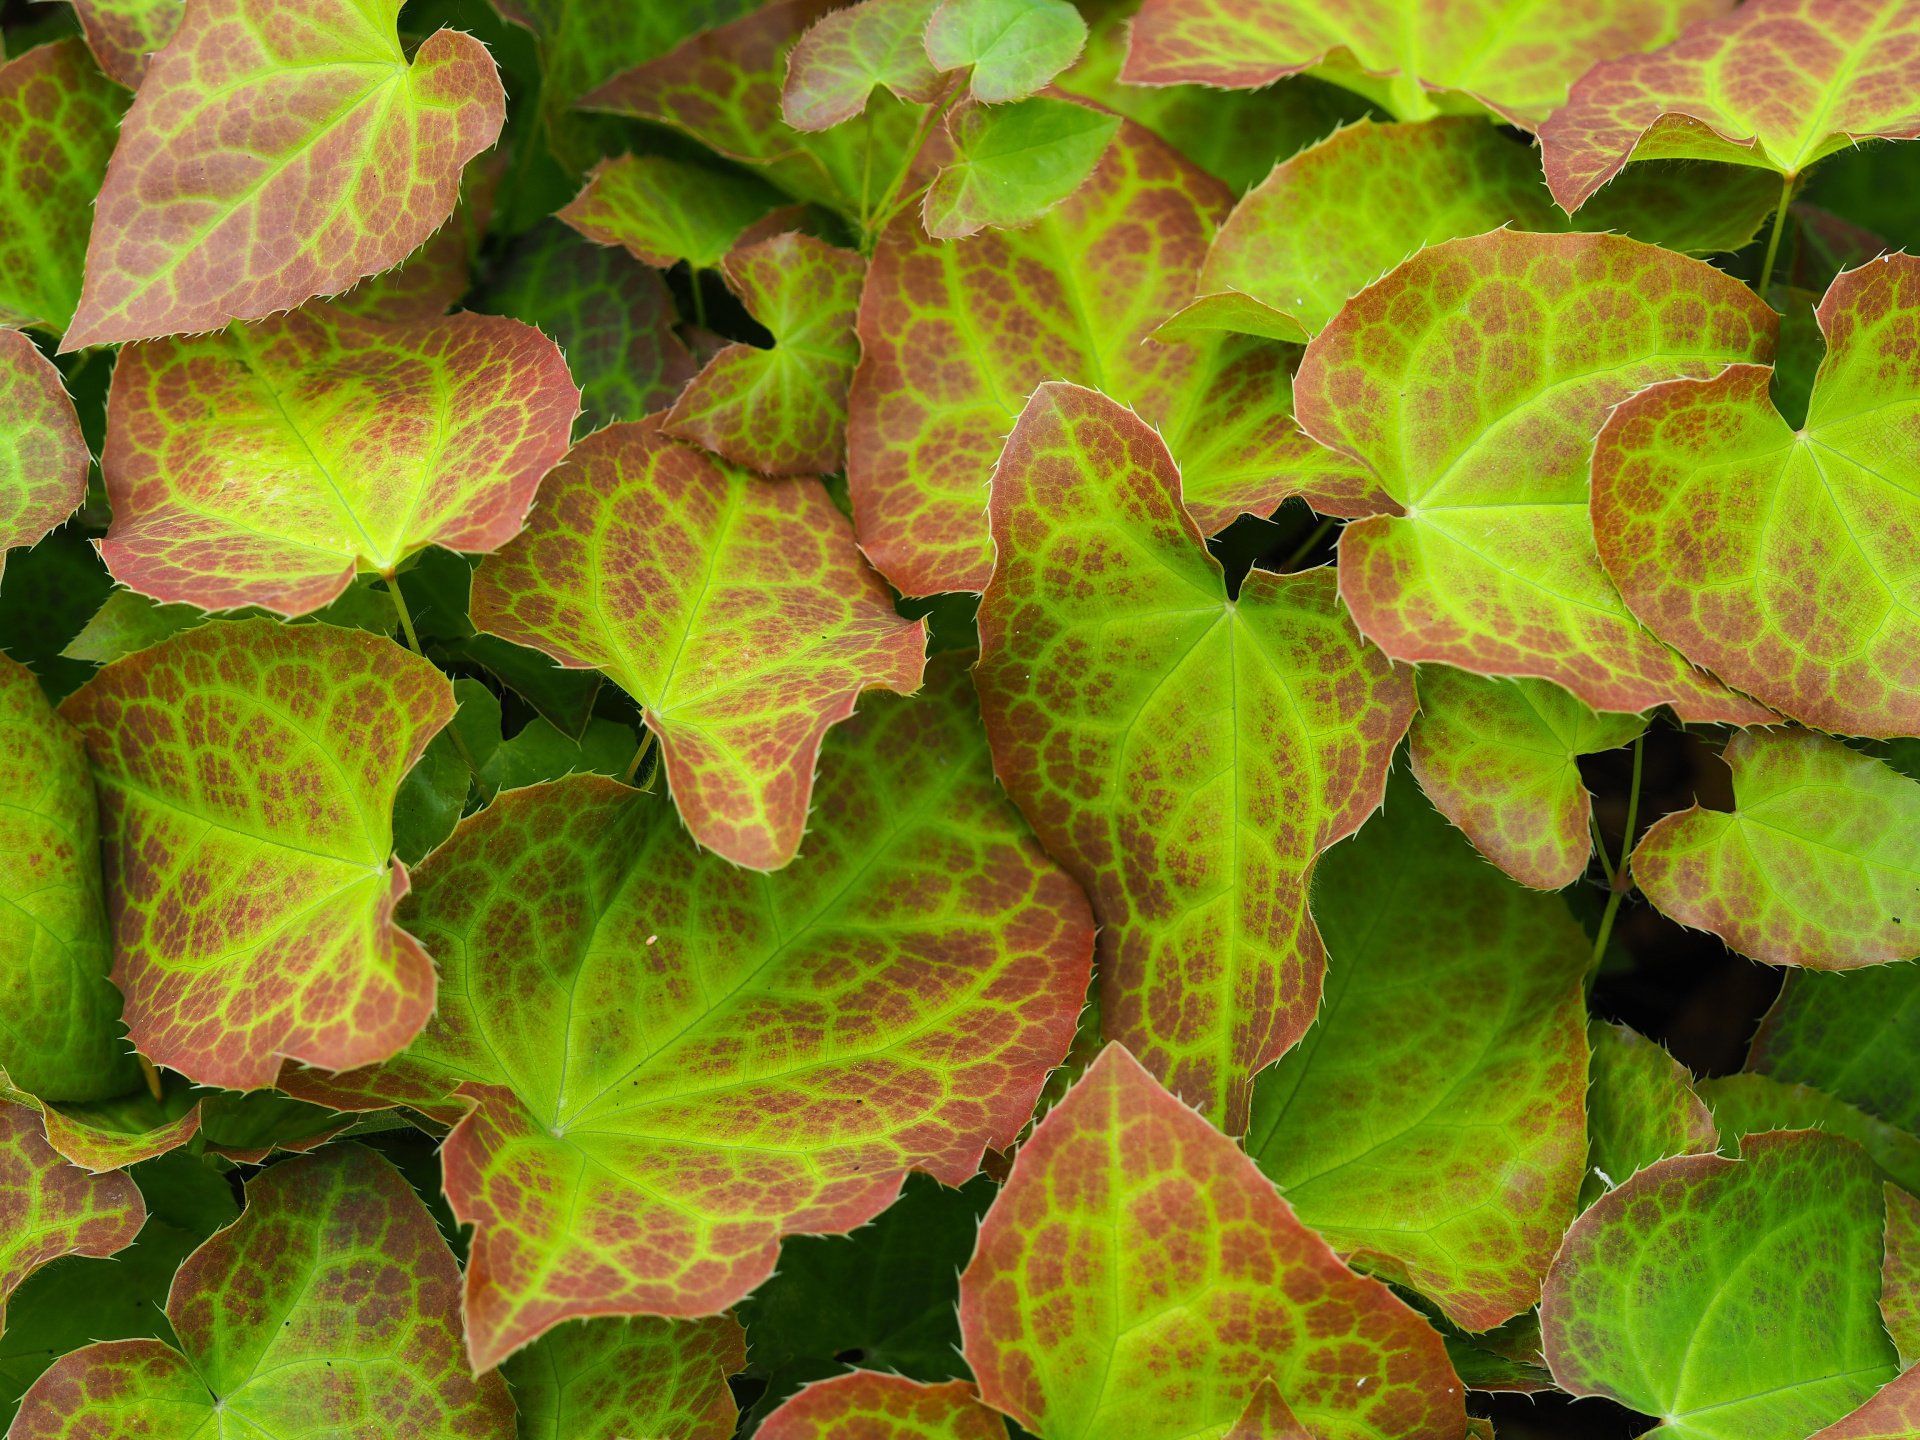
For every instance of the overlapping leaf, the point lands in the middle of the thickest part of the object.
(1786, 560)
(267, 464)
(1892, 1414)
(43, 456)
(663, 211)
(1416, 60)
(332, 1297)
(1186, 756)
(246, 774)
(50, 1208)
(1818, 864)
(675, 1061)
(277, 150)
(954, 337)
(607, 1379)
(1855, 1036)
(1734, 1298)
(1009, 48)
(1432, 1123)
(125, 34)
(736, 611)
(1775, 84)
(869, 1406)
(1900, 1274)
(1188, 1282)
(1747, 1105)
(1472, 380)
(1013, 163)
(1641, 1107)
(849, 53)
(1497, 757)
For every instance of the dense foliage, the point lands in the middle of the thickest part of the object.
(959, 719)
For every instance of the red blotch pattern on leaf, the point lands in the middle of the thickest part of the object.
(50, 1208)
(870, 1406)
(43, 457)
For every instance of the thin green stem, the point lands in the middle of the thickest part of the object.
(883, 213)
(1307, 546)
(1600, 845)
(639, 755)
(406, 615)
(1773, 240)
(699, 296)
(1620, 881)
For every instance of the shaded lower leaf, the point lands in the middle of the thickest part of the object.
(1745, 1105)
(1641, 1107)
(610, 1379)
(1854, 1035)
(43, 456)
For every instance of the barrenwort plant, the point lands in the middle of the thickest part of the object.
(959, 720)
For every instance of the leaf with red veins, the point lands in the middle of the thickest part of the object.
(124, 35)
(1187, 757)
(58, 118)
(1786, 561)
(1892, 1414)
(246, 773)
(955, 335)
(783, 410)
(332, 1302)
(1498, 759)
(848, 53)
(278, 150)
(674, 1062)
(1777, 84)
(1139, 1276)
(1414, 59)
(865, 1405)
(736, 611)
(43, 456)
(1818, 864)
(268, 464)
(1472, 380)
(663, 211)
(50, 1208)
(609, 1379)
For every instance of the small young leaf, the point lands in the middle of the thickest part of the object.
(1013, 46)
(869, 1406)
(50, 1208)
(1189, 1281)
(663, 211)
(43, 456)
(1013, 163)
(848, 53)
(1855, 1036)
(1641, 1107)
(1818, 864)
(609, 1379)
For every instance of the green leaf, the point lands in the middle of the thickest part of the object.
(1498, 56)
(1431, 1124)
(1641, 1107)
(434, 794)
(735, 611)
(1189, 1281)
(380, 439)
(663, 211)
(539, 753)
(609, 1379)
(50, 1207)
(60, 1038)
(246, 775)
(1747, 1105)
(1776, 85)
(43, 457)
(1013, 163)
(1472, 380)
(1734, 1298)
(883, 1407)
(333, 1295)
(693, 1060)
(184, 236)
(1854, 1035)
(1900, 1275)
(1185, 755)
(1013, 46)
(1816, 865)
(129, 622)
(1783, 559)
(58, 117)
(1498, 759)
(849, 53)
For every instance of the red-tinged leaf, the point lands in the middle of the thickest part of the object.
(1414, 59)
(736, 611)
(1186, 756)
(848, 53)
(662, 211)
(437, 276)
(277, 150)
(781, 411)
(869, 1406)
(610, 1379)
(332, 1303)
(1818, 864)
(955, 336)
(1776, 84)
(1267, 1417)
(673, 1061)
(1472, 380)
(1138, 1276)
(267, 464)
(116, 1132)
(1900, 1274)
(43, 456)
(58, 115)
(125, 34)
(246, 774)
(1892, 1414)
(1785, 560)
(49, 1208)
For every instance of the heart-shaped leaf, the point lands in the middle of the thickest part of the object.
(50, 1208)
(246, 774)
(892, 1001)
(1734, 1298)
(1855, 1036)
(1464, 1200)
(1011, 47)
(1190, 1282)
(1776, 84)
(1013, 163)
(608, 1379)
(1785, 560)
(1498, 758)
(267, 464)
(1472, 379)
(261, 110)
(663, 211)
(1816, 865)
(1186, 756)
(872, 1406)
(851, 52)
(332, 1297)
(43, 456)
(1641, 1107)
(736, 611)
